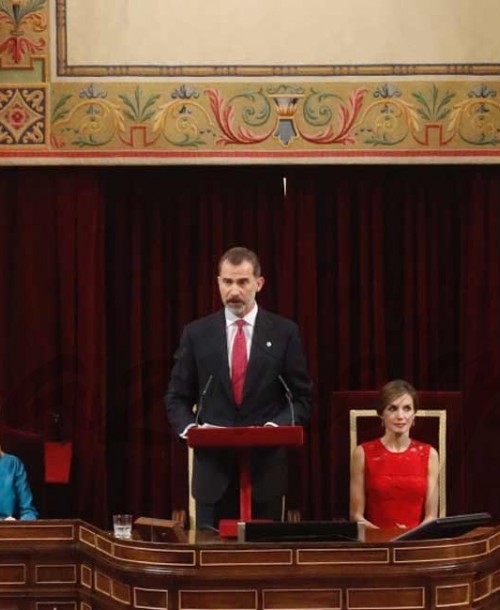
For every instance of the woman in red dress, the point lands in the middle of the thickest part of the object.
(394, 479)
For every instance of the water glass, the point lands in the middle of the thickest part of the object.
(122, 526)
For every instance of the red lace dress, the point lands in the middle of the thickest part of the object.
(395, 484)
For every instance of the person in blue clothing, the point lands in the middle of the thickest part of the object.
(16, 500)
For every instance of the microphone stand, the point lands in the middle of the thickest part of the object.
(289, 398)
(202, 396)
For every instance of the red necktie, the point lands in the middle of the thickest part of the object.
(239, 362)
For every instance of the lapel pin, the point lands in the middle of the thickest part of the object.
(268, 344)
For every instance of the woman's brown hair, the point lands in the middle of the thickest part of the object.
(392, 391)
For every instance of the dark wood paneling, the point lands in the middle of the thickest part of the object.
(94, 571)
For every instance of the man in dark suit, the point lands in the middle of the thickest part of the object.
(209, 372)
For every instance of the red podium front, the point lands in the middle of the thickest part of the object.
(243, 439)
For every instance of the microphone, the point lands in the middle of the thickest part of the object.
(202, 396)
(289, 398)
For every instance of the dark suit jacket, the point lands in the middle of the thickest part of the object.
(276, 350)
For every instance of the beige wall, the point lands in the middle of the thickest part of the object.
(282, 32)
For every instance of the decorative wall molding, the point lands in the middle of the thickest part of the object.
(51, 116)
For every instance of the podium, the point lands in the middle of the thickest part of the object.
(243, 439)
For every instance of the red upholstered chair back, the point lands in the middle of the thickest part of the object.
(29, 448)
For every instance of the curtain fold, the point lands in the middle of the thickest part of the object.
(165, 233)
(388, 284)
(52, 318)
(390, 271)
(481, 339)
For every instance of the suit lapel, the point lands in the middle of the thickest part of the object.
(261, 343)
(222, 351)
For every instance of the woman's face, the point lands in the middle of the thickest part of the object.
(398, 416)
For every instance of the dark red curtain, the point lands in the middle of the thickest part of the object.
(165, 233)
(52, 316)
(480, 363)
(389, 271)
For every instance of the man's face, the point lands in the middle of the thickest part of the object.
(238, 287)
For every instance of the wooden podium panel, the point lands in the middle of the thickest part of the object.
(246, 436)
(63, 565)
(242, 439)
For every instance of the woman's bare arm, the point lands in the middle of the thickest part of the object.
(357, 488)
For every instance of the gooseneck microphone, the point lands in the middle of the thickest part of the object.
(202, 396)
(289, 398)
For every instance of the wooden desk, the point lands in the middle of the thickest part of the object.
(71, 565)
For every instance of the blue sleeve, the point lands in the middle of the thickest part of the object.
(24, 498)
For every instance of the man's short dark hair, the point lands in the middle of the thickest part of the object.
(236, 256)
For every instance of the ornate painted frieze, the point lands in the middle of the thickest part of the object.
(327, 118)
(22, 116)
(23, 32)
(426, 117)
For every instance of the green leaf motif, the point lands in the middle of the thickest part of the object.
(139, 110)
(59, 111)
(433, 108)
(258, 112)
(316, 111)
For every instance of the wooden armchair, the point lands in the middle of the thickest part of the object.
(364, 425)
(354, 420)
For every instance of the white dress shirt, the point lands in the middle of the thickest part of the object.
(231, 329)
